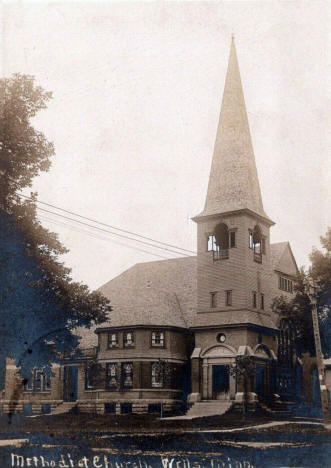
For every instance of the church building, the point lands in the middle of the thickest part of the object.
(178, 326)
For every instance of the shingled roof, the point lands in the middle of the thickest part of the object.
(164, 293)
(282, 258)
(154, 293)
(233, 182)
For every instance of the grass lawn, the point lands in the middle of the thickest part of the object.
(128, 423)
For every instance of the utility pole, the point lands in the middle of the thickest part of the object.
(312, 292)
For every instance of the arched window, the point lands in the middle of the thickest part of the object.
(257, 243)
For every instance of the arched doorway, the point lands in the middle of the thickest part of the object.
(264, 371)
(218, 383)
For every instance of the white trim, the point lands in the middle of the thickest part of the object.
(232, 350)
(113, 358)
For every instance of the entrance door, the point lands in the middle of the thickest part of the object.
(221, 382)
(259, 380)
(70, 380)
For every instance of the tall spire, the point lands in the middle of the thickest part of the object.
(233, 182)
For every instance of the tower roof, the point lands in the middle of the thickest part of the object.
(233, 181)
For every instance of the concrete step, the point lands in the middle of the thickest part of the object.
(278, 410)
(64, 407)
(209, 408)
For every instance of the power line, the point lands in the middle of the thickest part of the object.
(96, 236)
(112, 233)
(109, 226)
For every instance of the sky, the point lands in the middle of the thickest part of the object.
(137, 89)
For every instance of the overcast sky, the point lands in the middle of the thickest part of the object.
(137, 90)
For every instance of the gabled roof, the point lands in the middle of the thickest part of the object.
(282, 258)
(233, 182)
(163, 293)
(154, 293)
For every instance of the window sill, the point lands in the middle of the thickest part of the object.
(37, 391)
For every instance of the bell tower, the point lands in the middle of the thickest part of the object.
(233, 260)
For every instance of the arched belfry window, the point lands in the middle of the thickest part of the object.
(257, 243)
(218, 242)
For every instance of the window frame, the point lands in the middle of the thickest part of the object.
(108, 375)
(159, 384)
(228, 297)
(232, 237)
(124, 374)
(88, 385)
(154, 344)
(254, 300)
(262, 301)
(285, 284)
(250, 240)
(109, 342)
(125, 343)
(44, 384)
(214, 246)
(213, 299)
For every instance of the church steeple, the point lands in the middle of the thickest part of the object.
(233, 182)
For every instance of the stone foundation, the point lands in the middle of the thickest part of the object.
(137, 406)
(92, 406)
(35, 406)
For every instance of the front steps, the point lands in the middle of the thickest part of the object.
(201, 409)
(277, 412)
(64, 407)
(204, 408)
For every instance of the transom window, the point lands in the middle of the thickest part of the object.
(127, 374)
(128, 338)
(112, 340)
(157, 338)
(157, 375)
(39, 382)
(285, 284)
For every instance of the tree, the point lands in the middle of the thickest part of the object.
(298, 310)
(244, 370)
(320, 272)
(40, 304)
